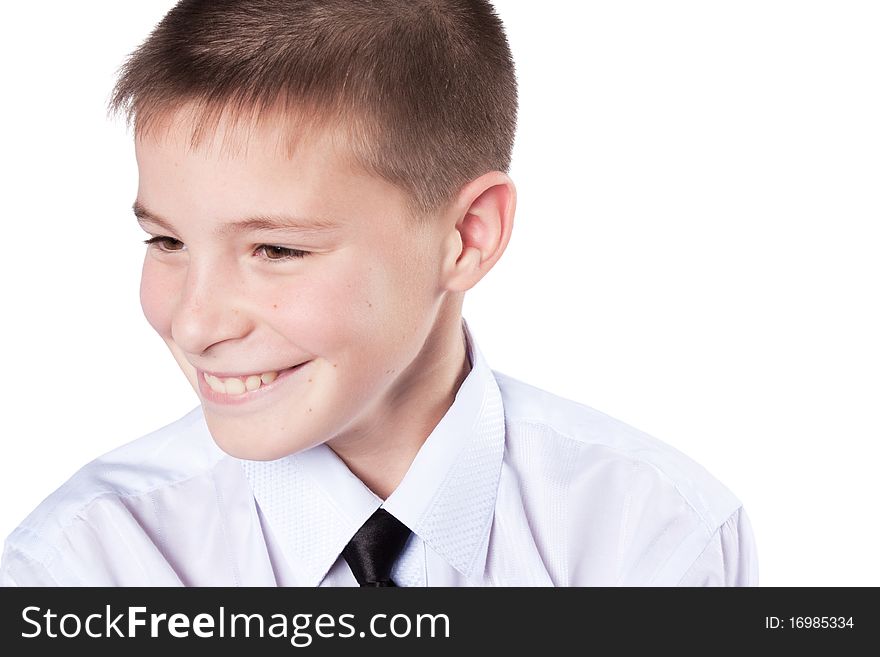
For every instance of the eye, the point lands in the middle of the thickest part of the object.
(164, 243)
(273, 252)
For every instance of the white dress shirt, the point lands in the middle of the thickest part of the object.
(515, 486)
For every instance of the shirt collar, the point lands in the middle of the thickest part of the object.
(314, 503)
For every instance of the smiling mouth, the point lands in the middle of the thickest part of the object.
(239, 385)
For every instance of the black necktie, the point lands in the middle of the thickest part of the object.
(372, 551)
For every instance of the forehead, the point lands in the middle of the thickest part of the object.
(243, 168)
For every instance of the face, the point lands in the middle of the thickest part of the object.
(290, 337)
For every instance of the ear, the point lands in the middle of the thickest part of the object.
(483, 215)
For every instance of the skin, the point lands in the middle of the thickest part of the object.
(376, 307)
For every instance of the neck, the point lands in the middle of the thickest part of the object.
(381, 456)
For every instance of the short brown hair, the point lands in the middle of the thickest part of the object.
(425, 90)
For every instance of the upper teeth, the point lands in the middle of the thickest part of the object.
(238, 385)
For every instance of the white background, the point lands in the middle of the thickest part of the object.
(695, 250)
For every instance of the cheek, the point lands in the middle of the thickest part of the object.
(156, 299)
(343, 304)
(316, 310)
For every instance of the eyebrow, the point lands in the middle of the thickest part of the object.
(262, 222)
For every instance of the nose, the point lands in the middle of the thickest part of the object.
(208, 310)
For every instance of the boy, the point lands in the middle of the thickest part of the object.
(321, 182)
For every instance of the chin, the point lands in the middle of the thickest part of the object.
(251, 454)
(250, 447)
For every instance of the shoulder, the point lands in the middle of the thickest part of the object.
(587, 452)
(167, 456)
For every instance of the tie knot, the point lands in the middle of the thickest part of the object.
(374, 548)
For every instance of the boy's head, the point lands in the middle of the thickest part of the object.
(373, 136)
